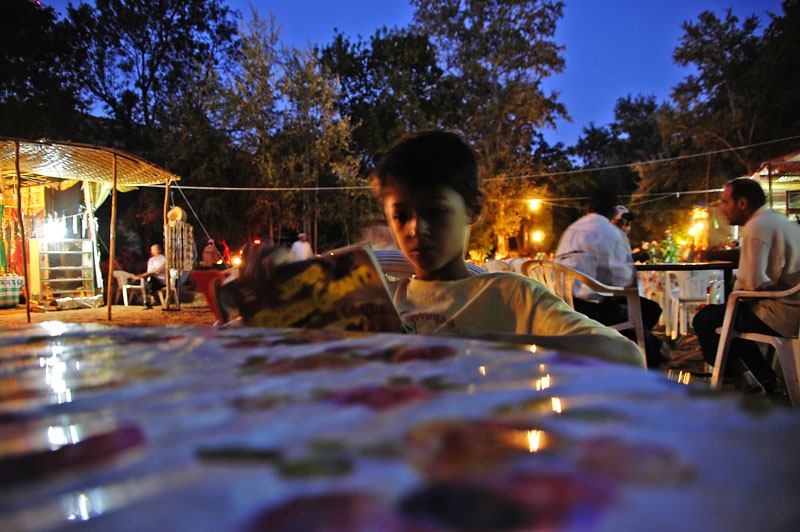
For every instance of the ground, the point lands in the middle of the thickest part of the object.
(194, 312)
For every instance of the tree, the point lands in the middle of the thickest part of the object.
(142, 53)
(314, 139)
(39, 93)
(499, 52)
(390, 85)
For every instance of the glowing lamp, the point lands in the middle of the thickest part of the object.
(693, 231)
(534, 204)
(538, 236)
(237, 261)
(257, 241)
(54, 230)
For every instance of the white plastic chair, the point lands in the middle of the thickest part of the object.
(495, 266)
(395, 265)
(131, 289)
(560, 279)
(787, 348)
(174, 275)
(687, 291)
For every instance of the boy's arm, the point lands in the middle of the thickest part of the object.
(564, 328)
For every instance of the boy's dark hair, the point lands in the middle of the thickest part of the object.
(432, 159)
(603, 201)
(749, 189)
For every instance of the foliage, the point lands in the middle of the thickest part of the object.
(499, 52)
(39, 92)
(142, 53)
(390, 85)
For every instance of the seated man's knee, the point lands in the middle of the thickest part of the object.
(708, 318)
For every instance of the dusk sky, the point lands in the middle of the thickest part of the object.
(612, 47)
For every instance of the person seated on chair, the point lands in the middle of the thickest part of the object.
(596, 247)
(155, 278)
(429, 187)
(769, 260)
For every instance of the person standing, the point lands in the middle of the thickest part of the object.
(301, 249)
(155, 278)
(598, 248)
(769, 260)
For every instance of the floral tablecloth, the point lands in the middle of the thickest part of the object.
(209, 429)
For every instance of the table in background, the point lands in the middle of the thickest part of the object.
(201, 428)
(727, 268)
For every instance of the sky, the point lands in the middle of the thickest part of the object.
(613, 48)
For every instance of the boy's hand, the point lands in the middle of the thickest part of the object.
(259, 264)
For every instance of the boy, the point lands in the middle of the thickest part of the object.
(428, 184)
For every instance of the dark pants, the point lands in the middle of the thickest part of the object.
(611, 311)
(152, 285)
(710, 317)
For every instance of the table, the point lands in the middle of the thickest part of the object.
(229, 429)
(727, 268)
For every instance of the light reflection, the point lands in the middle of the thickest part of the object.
(85, 505)
(534, 440)
(61, 436)
(482, 369)
(54, 328)
(683, 377)
(54, 370)
(555, 402)
(532, 348)
(542, 383)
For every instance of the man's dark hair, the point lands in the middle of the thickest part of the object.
(432, 159)
(749, 189)
(603, 201)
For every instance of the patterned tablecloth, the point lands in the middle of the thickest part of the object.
(204, 429)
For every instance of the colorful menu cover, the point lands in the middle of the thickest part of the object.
(341, 289)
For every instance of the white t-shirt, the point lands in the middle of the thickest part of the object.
(505, 303)
(158, 264)
(300, 251)
(770, 260)
(596, 247)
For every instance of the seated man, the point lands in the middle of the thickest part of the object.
(155, 278)
(769, 260)
(596, 247)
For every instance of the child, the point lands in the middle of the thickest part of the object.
(428, 184)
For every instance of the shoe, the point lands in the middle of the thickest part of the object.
(148, 307)
(746, 383)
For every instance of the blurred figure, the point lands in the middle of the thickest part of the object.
(155, 278)
(210, 255)
(301, 249)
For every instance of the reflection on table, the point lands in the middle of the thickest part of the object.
(197, 428)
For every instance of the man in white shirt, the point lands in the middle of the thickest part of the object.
(769, 260)
(301, 249)
(596, 247)
(155, 278)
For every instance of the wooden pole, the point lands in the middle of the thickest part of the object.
(167, 266)
(112, 235)
(769, 183)
(22, 234)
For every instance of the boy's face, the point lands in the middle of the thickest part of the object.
(430, 227)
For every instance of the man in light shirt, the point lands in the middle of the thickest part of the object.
(769, 260)
(596, 247)
(155, 278)
(301, 249)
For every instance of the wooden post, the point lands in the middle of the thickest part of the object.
(22, 233)
(113, 234)
(167, 265)
(769, 183)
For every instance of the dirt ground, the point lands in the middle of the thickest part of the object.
(193, 312)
